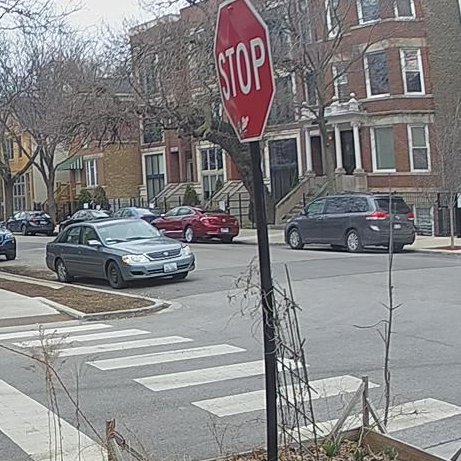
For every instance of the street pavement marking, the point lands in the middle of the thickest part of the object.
(401, 417)
(255, 401)
(52, 331)
(83, 338)
(202, 376)
(165, 357)
(32, 426)
(109, 347)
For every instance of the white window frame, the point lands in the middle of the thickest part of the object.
(332, 33)
(336, 78)
(91, 164)
(421, 71)
(413, 11)
(367, 77)
(374, 156)
(410, 147)
(360, 14)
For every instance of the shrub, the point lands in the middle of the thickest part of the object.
(190, 197)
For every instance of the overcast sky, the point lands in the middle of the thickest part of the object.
(112, 12)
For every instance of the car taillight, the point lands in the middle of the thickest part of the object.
(411, 216)
(378, 216)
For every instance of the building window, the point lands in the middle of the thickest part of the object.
(149, 78)
(382, 142)
(91, 169)
(333, 18)
(405, 9)
(305, 29)
(368, 10)
(418, 137)
(8, 149)
(377, 74)
(283, 110)
(152, 131)
(155, 174)
(212, 170)
(412, 71)
(341, 81)
(19, 193)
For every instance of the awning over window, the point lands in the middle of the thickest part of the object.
(75, 163)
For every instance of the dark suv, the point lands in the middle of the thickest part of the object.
(352, 221)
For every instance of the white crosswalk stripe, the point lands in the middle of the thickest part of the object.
(122, 346)
(31, 426)
(255, 401)
(35, 333)
(401, 417)
(165, 357)
(202, 376)
(83, 338)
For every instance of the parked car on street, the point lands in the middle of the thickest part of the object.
(31, 223)
(7, 243)
(353, 221)
(136, 213)
(84, 216)
(192, 224)
(117, 250)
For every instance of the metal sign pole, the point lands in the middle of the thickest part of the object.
(267, 295)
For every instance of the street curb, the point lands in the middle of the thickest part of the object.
(433, 252)
(158, 306)
(241, 242)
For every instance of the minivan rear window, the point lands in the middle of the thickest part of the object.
(398, 205)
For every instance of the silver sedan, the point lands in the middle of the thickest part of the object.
(117, 250)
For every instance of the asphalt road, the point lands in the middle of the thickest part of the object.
(164, 410)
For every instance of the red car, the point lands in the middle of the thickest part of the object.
(192, 224)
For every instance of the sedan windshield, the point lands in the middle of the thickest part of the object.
(127, 231)
(99, 214)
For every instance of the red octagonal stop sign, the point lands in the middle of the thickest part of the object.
(244, 66)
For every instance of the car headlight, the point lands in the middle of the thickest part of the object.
(186, 251)
(9, 236)
(135, 259)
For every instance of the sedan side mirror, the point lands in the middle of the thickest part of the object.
(94, 243)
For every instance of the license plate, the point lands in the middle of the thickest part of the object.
(397, 226)
(170, 267)
(225, 230)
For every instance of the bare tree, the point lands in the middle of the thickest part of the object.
(447, 168)
(68, 102)
(310, 45)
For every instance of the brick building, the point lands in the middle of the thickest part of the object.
(381, 111)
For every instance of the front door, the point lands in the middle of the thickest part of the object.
(317, 164)
(90, 259)
(311, 224)
(283, 156)
(347, 144)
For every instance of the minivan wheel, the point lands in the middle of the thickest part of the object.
(114, 276)
(294, 240)
(62, 272)
(353, 242)
(24, 230)
(11, 256)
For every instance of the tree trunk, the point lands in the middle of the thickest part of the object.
(50, 196)
(240, 155)
(8, 198)
(452, 225)
(328, 160)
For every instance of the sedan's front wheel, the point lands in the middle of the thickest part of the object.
(62, 272)
(114, 276)
(295, 240)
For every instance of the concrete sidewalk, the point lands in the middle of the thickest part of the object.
(430, 244)
(16, 309)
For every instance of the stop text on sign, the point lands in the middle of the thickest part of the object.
(239, 68)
